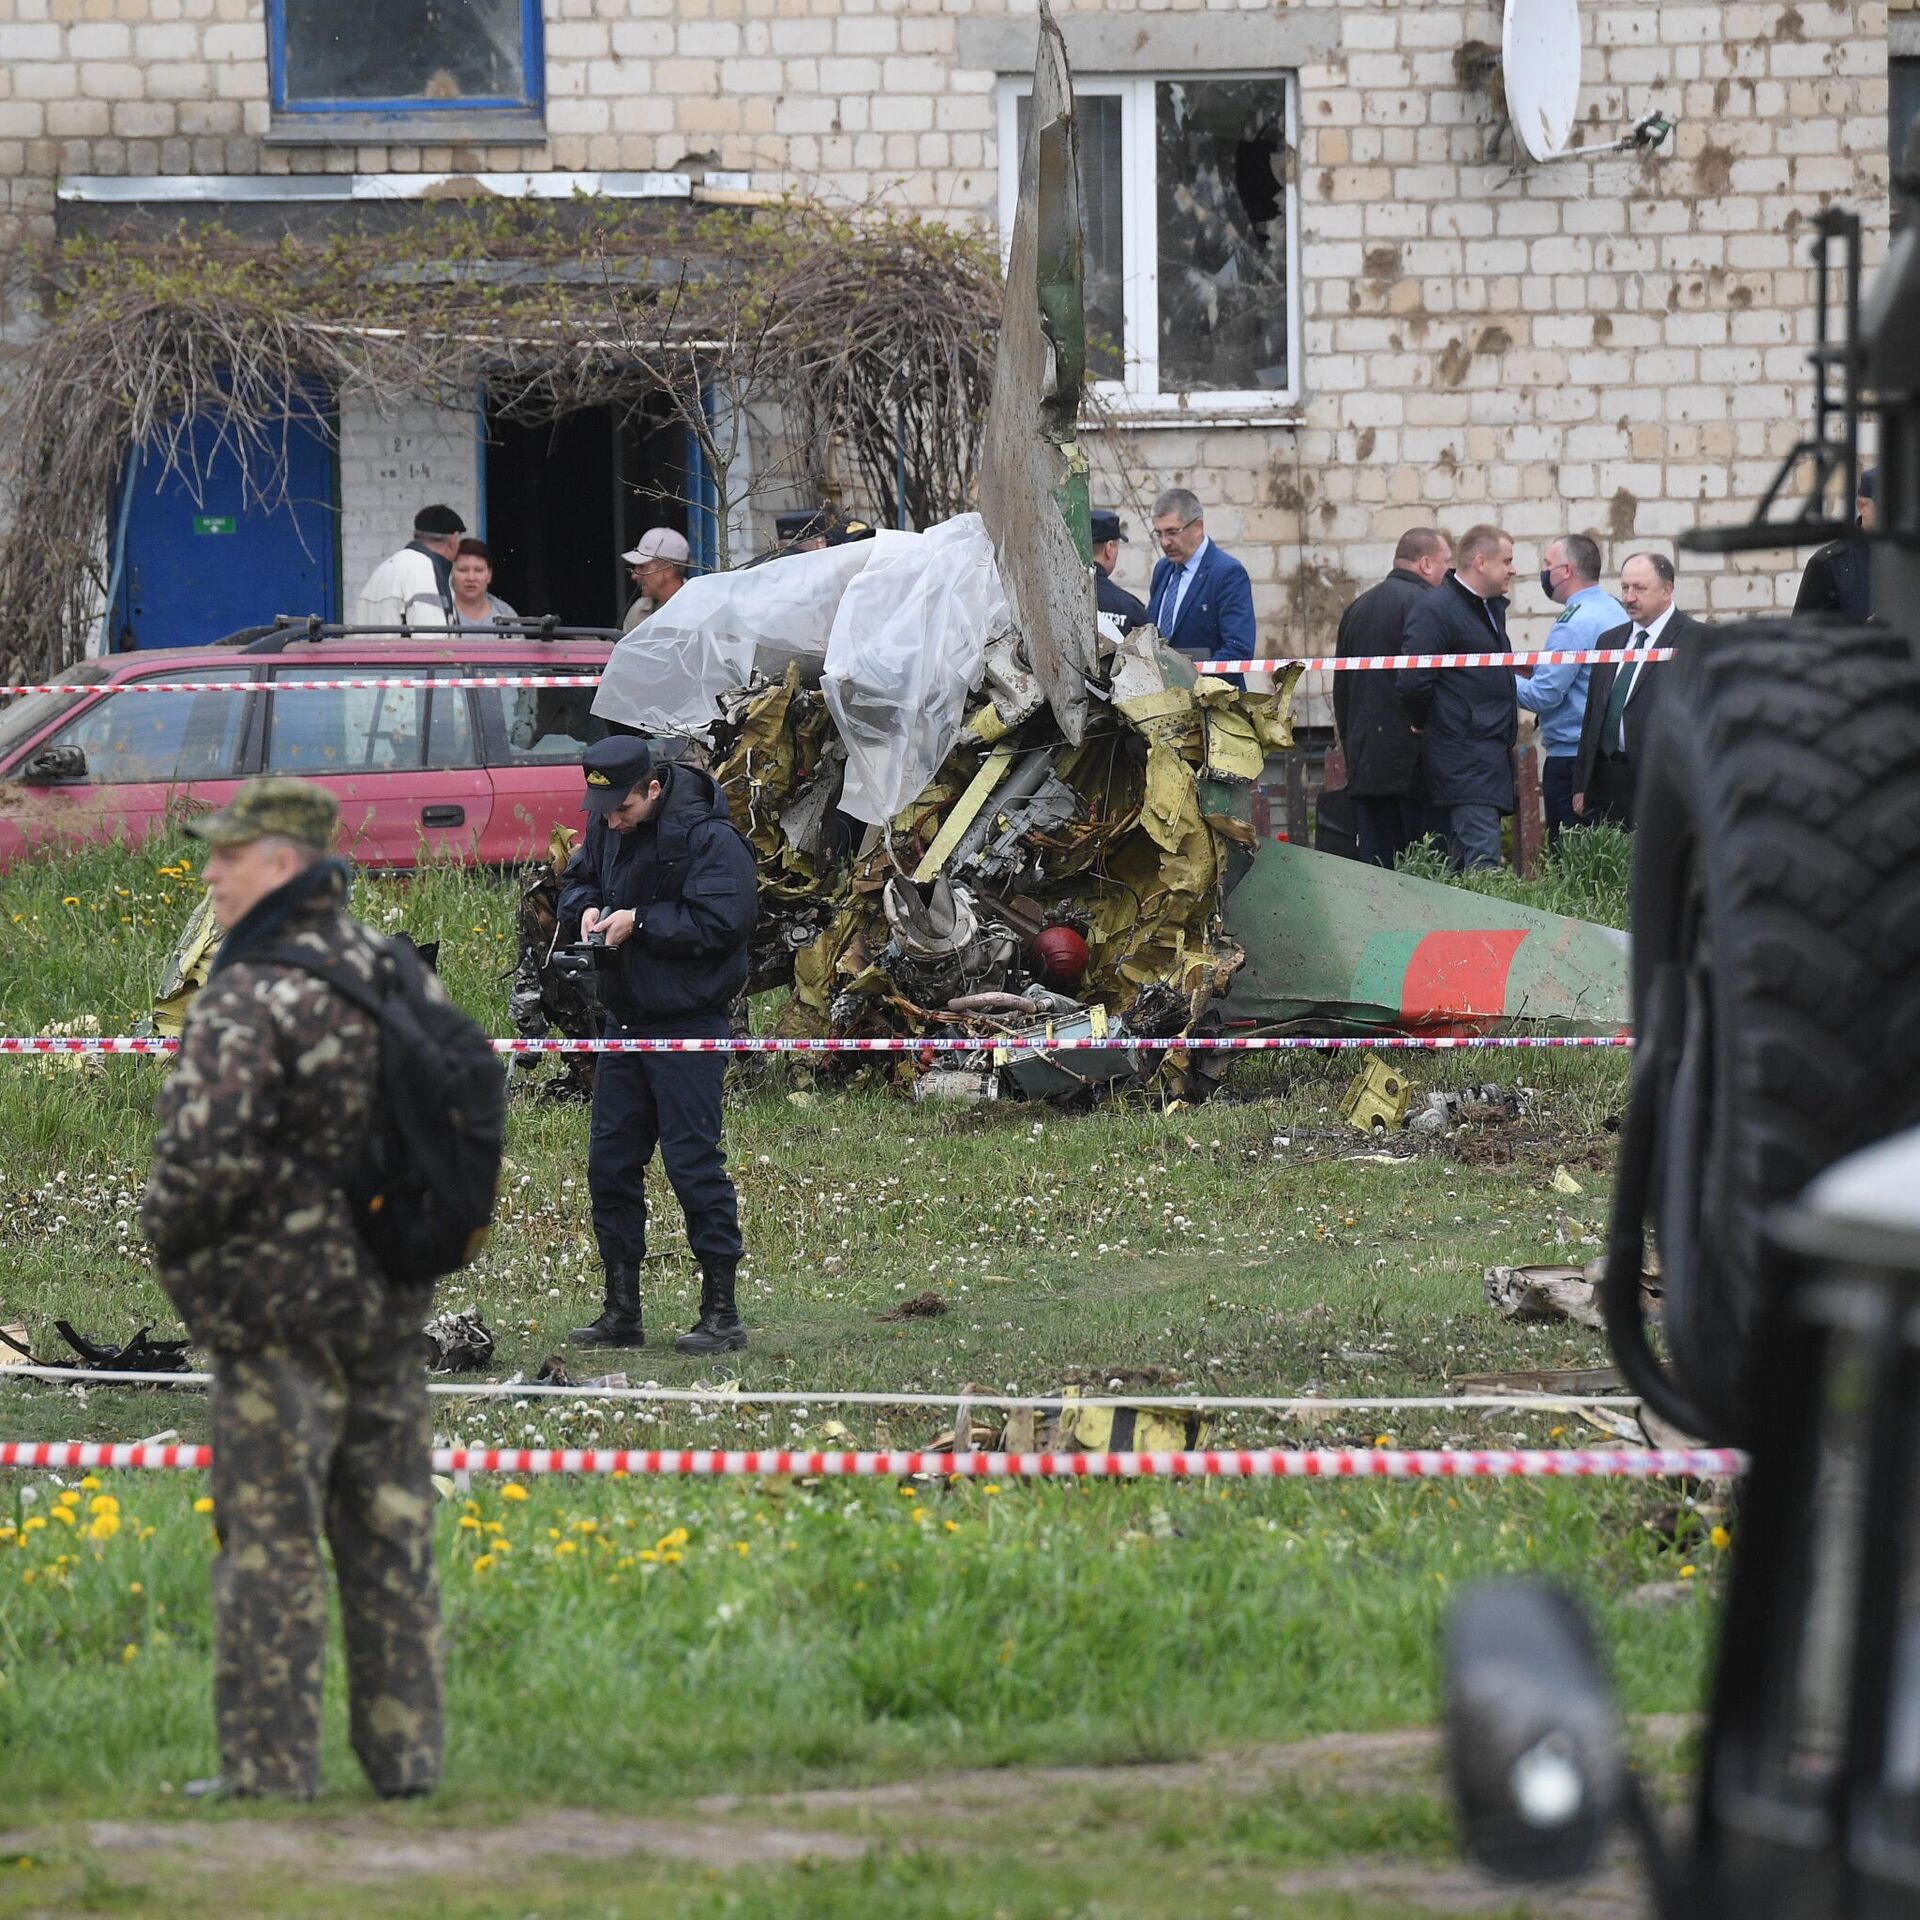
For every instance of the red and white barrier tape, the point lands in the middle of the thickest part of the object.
(1269, 1463)
(358, 684)
(945, 1043)
(1405, 662)
(1339, 663)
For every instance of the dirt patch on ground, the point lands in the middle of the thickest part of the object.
(367, 1849)
(1349, 1760)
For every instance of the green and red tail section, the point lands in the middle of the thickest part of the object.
(1331, 943)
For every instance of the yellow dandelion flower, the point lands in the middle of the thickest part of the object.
(102, 1503)
(566, 1546)
(586, 1526)
(1687, 1573)
(204, 1504)
(37, 1523)
(129, 1654)
(992, 1486)
(624, 1562)
(91, 1484)
(649, 1557)
(64, 1515)
(68, 1497)
(513, 1490)
(952, 1526)
(499, 1546)
(677, 1538)
(671, 1558)
(70, 900)
(134, 1586)
(742, 1548)
(483, 1563)
(919, 1513)
(468, 1524)
(1721, 1539)
(104, 1526)
(470, 1506)
(492, 1526)
(906, 1493)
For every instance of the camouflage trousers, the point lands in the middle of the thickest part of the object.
(310, 1439)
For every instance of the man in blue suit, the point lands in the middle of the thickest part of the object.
(1201, 599)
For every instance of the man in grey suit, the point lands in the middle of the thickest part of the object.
(1620, 699)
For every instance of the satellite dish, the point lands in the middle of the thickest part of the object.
(1540, 58)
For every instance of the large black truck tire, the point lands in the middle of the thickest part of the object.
(1776, 977)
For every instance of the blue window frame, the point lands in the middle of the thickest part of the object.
(405, 59)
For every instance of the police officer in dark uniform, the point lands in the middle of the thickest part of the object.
(1107, 535)
(669, 882)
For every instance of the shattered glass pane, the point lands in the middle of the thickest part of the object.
(1220, 171)
(362, 52)
(1102, 227)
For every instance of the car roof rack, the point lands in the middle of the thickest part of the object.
(290, 629)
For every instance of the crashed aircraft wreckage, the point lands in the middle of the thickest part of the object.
(978, 806)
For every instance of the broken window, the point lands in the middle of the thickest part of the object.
(1220, 215)
(1187, 219)
(1903, 130)
(404, 56)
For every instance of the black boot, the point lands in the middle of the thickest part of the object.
(718, 1329)
(619, 1323)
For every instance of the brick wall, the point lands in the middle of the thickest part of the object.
(393, 463)
(1614, 345)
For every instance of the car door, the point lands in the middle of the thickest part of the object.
(534, 737)
(403, 763)
(146, 757)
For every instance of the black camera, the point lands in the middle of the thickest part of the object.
(588, 955)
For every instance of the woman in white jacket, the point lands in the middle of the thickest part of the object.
(413, 588)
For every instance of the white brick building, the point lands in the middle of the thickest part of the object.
(1431, 330)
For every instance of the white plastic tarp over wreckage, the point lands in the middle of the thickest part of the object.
(895, 629)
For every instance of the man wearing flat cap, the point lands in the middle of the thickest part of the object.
(657, 566)
(318, 1406)
(670, 886)
(1110, 597)
(414, 587)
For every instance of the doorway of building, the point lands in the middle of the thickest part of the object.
(565, 499)
(200, 554)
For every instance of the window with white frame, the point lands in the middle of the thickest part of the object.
(404, 58)
(1189, 228)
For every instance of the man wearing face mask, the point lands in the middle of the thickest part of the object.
(1570, 575)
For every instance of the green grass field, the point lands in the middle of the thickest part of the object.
(1029, 1700)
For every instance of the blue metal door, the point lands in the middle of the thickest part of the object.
(199, 557)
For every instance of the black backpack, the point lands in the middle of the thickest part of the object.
(423, 1190)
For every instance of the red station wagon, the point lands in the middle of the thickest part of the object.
(476, 773)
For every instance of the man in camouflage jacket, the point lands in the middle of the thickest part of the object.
(319, 1405)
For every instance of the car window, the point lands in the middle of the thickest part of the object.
(354, 730)
(162, 736)
(544, 726)
(450, 743)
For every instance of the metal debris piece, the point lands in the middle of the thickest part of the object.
(966, 1086)
(14, 1350)
(1546, 1293)
(141, 1354)
(1376, 1100)
(1537, 1380)
(1042, 1075)
(458, 1342)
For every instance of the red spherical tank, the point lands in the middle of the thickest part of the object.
(1062, 958)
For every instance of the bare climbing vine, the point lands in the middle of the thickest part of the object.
(865, 336)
